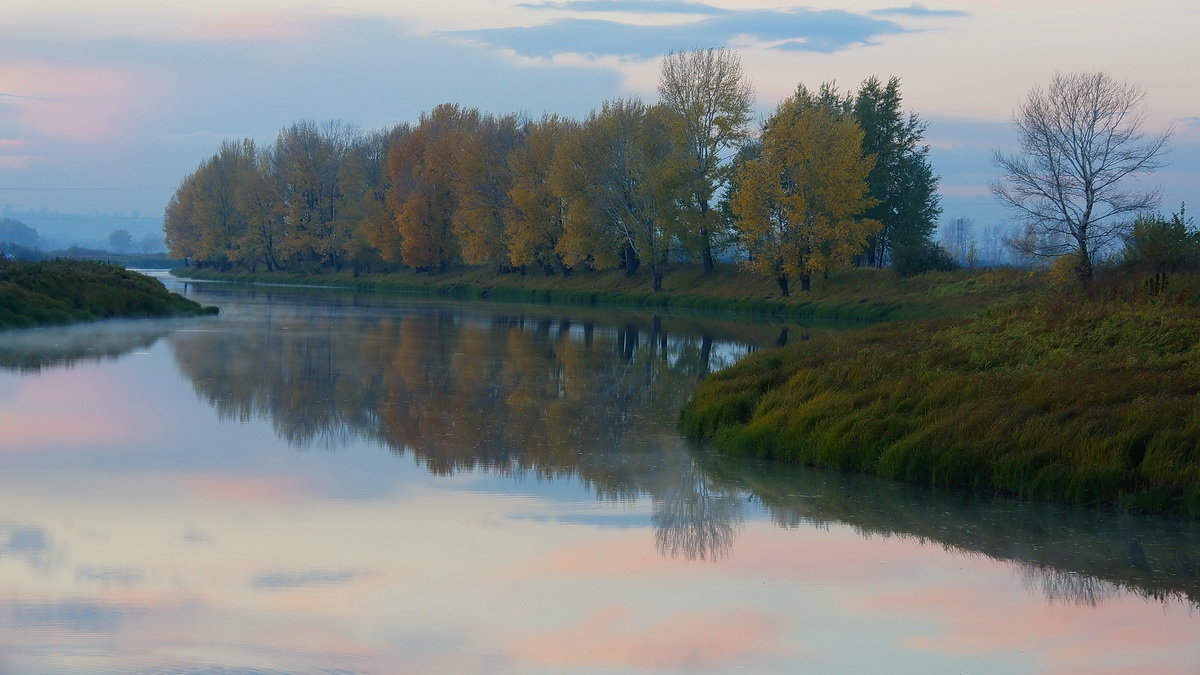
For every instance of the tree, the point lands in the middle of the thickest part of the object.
(1160, 247)
(481, 185)
(798, 203)
(1081, 139)
(17, 232)
(536, 217)
(621, 178)
(305, 168)
(902, 179)
(120, 241)
(709, 100)
(421, 167)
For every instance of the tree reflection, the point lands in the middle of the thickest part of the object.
(34, 349)
(527, 392)
(1072, 555)
(695, 519)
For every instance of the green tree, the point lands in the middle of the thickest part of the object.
(1159, 247)
(709, 100)
(902, 179)
(798, 203)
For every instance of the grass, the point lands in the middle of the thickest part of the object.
(860, 295)
(1087, 399)
(66, 291)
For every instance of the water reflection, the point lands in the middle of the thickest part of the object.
(34, 349)
(527, 392)
(1071, 555)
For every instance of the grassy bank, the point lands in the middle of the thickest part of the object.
(1054, 395)
(861, 295)
(65, 291)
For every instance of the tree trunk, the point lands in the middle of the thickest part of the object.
(1083, 266)
(782, 280)
(629, 260)
(805, 282)
(706, 251)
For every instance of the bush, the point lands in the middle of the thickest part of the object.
(914, 259)
(1157, 245)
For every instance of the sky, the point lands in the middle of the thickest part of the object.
(105, 105)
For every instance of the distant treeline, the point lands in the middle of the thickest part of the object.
(833, 179)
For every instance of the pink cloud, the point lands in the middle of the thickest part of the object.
(610, 638)
(253, 27)
(22, 161)
(244, 489)
(33, 419)
(844, 557)
(1060, 637)
(77, 103)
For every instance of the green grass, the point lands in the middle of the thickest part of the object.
(65, 291)
(857, 295)
(1053, 395)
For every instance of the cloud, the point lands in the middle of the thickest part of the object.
(22, 161)
(302, 579)
(611, 637)
(1193, 122)
(919, 11)
(74, 102)
(630, 6)
(792, 30)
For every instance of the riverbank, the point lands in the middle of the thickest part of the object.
(856, 295)
(1052, 395)
(65, 291)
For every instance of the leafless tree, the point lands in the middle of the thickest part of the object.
(1081, 139)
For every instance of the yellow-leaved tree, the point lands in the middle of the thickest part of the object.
(536, 215)
(797, 200)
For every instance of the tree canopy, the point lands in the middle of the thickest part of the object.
(633, 185)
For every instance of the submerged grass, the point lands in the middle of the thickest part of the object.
(1054, 395)
(65, 291)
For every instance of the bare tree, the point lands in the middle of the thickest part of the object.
(1081, 138)
(711, 100)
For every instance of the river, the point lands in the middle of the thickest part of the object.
(322, 481)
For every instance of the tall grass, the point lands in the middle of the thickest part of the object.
(63, 291)
(1087, 399)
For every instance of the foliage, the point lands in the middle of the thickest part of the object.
(797, 203)
(902, 180)
(709, 101)
(18, 233)
(921, 257)
(1160, 247)
(62, 291)
(991, 403)
(631, 186)
(1081, 139)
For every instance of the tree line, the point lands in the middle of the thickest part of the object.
(832, 179)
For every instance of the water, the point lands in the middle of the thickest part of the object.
(317, 481)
